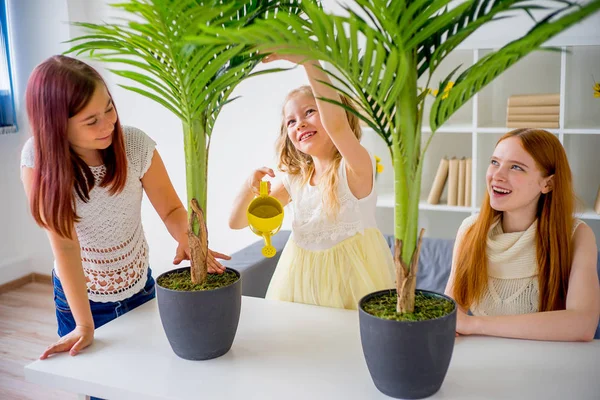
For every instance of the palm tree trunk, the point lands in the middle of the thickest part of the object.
(407, 184)
(196, 169)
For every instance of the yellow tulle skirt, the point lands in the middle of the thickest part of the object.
(336, 277)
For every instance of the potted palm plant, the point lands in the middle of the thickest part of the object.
(199, 311)
(407, 334)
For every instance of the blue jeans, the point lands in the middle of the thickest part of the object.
(102, 313)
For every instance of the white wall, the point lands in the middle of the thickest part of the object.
(37, 29)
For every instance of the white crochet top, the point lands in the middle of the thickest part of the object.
(312, 229)
(114, 251)
(513, 286)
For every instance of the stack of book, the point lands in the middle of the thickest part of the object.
(533, 111)
(458, 175)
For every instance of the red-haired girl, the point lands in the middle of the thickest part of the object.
(525, 267)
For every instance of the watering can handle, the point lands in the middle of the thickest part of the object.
(264, 189)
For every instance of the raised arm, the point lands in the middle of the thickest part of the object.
(577, 322)
(334, 119)
(67, 254)
(336, 123)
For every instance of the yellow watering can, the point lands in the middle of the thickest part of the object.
(265, 216)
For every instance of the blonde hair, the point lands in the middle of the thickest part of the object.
(294, 162)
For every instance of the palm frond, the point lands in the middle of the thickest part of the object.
(428, 26)
(156, 98)
(168, 68)
(194, 82)
(375, 73)
(488, 68)
(433, 48)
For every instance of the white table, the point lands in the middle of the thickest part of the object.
(295, 351)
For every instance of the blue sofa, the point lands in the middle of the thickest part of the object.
(435, 262)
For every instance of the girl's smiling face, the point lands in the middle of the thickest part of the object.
(92, 128)
(304, 127)
(514, 179)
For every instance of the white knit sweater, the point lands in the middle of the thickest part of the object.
(512, 270)
(114, 251)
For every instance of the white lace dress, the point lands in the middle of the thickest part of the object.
(114, 251)
(331, 263)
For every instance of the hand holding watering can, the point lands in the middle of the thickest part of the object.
(265, 216)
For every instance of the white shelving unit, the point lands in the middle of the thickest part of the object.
(474, 130)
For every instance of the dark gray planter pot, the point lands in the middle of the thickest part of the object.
(200, 325)
(407, 360)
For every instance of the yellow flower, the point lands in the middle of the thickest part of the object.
(378, 166)
(449, 86)
(596, 89)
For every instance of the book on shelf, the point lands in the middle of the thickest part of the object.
(457, 173)
(532, 117)
(453, 181)
(533, 110)
(468, 172)
(531, 124)
(438, 182)
(597, 205)
(462, 171)
(546, 99)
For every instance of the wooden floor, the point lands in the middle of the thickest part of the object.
(27, 327)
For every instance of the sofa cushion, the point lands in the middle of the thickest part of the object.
(256, 269)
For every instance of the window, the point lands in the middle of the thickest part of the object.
(8, 116)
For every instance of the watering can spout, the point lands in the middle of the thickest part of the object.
(265, 216)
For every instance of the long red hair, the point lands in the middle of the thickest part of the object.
(58, 89)
(555, 223)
